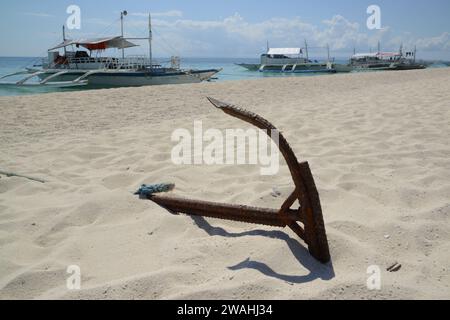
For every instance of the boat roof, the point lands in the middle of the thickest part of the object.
(376, 54)
(285, 51)
(97, 43)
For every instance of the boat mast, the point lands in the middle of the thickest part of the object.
(150, 38)
(379, 47)
(328, 52)
(306, 48)
(122, 14)
(64, 39)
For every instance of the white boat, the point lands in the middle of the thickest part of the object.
(289, 60)
(89, 68)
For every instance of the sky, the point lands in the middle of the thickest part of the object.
(233, 28)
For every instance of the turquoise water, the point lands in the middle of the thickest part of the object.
(13, 64)
(230, 72)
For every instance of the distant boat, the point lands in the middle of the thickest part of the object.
(385, 61)
(289, 60)
(89, 68)
(382, 61)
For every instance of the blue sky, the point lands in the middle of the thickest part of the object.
(231, 28)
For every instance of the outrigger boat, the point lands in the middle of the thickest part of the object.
(382, 61)
(89, 68)
(289, 60)
(385, 61)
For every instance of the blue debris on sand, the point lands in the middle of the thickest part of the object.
(147, 190)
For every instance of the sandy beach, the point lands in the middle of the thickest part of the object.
(377, 143)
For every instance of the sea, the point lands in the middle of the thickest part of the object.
(230, 72)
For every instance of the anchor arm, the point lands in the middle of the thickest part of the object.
(238, 213)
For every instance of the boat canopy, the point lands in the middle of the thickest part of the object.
(376, 54)
(97, 43)
(285, 51)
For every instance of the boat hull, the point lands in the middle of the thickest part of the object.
(133, 78)
(393, 67)
(310, 68)
(342, 68)
(409, 67)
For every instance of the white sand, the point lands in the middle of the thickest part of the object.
(378, 145)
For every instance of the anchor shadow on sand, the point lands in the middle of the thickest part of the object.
(301, 254)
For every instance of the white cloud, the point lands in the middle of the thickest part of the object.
(340, 34)
(235, 36)
(441, 42)
(38, 14)
(423, 44)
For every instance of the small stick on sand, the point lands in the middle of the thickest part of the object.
(394, 268)
(11, 174)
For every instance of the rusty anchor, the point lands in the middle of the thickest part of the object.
(306, 221)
